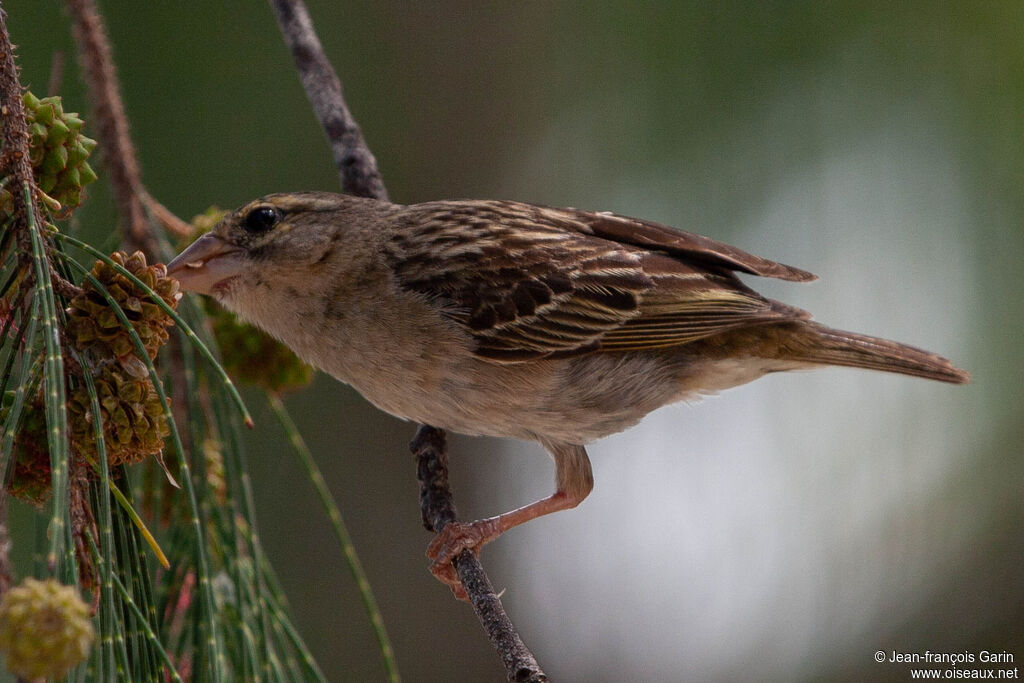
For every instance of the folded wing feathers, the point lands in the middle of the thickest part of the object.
(530, 282)
(656, 236)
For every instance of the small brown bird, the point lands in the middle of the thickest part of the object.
(506, 319)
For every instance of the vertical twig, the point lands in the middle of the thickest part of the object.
(15, 167)
(56, 74)
(140, 216)
(360, 176)
(14, 161)
(438, 508)
(112, 123)
(133, 201)
(356, 164)
(6, 571)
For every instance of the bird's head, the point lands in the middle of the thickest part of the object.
(280, 242)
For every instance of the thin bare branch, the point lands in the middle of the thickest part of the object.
(360, 176)
(165, 216)
(438, 508)
(6, 570)
(56, 73)
(133, 201)
(97, 64)
(356, 164)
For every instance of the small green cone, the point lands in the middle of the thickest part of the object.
(58, 152)
(45, 629)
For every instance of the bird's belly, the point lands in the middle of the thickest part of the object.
(567, 400)
(444, 394)
(572, 400)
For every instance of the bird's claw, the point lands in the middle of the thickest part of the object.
(452, 540)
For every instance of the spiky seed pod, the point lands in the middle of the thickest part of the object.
(58, 152)
(134, 425)
(250, 355)
(94, 325)
(45, 630)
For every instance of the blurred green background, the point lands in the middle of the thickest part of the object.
(784, 531)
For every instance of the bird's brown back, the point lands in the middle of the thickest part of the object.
(530, 282)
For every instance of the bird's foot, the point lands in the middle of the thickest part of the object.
(452, 540)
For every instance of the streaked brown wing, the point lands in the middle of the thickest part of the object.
(688, 303)
(687, 245)
(529, 282)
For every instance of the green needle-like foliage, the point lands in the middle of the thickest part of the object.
(121, 429)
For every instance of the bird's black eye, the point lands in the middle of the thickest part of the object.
(260, 219)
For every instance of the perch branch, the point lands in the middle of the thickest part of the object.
(360, 176)
(438, 508)
(133, 201)
(356, 164)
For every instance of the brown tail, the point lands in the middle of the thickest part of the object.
(836, 347)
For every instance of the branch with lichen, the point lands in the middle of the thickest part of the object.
(360, 176)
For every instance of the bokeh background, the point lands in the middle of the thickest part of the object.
(786, 530)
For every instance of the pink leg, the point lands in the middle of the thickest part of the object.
(574, 481)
